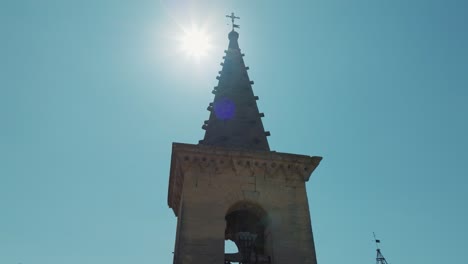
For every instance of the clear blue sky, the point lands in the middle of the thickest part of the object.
(93, 93)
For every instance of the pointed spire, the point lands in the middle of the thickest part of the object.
(235, 121)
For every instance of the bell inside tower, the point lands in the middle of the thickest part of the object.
(246, 225)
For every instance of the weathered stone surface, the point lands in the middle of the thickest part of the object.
(207, 182)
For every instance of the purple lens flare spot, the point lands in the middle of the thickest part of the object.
(224, 109)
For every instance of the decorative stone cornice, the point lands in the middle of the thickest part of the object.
(211, 159)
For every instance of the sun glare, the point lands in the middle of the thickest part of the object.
(195, 42)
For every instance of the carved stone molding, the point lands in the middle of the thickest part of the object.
(202, 159)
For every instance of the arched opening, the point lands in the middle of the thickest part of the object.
(245, 226)
(230, 247)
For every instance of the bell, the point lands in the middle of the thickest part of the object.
(245, 241)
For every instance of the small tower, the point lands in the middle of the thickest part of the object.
(230, 186)
(380, 258)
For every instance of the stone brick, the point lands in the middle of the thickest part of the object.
(202, 193)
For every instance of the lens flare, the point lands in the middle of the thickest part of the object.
(224, 109)
(195, 42)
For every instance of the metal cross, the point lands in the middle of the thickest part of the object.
(232, 17)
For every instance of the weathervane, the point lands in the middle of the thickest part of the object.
(377, 241)
(380, 258)
(232, 17)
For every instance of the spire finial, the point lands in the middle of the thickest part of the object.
(233, 17)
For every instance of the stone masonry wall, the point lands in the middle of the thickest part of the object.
(211, 187)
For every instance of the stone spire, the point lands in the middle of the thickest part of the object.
(231, 181)
(235, 121)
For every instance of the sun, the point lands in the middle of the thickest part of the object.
(195, 42)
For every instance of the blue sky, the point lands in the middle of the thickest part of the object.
(93, 93)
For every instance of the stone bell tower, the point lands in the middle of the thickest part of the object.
(231, 186)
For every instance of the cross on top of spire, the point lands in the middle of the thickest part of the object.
(233, 17)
